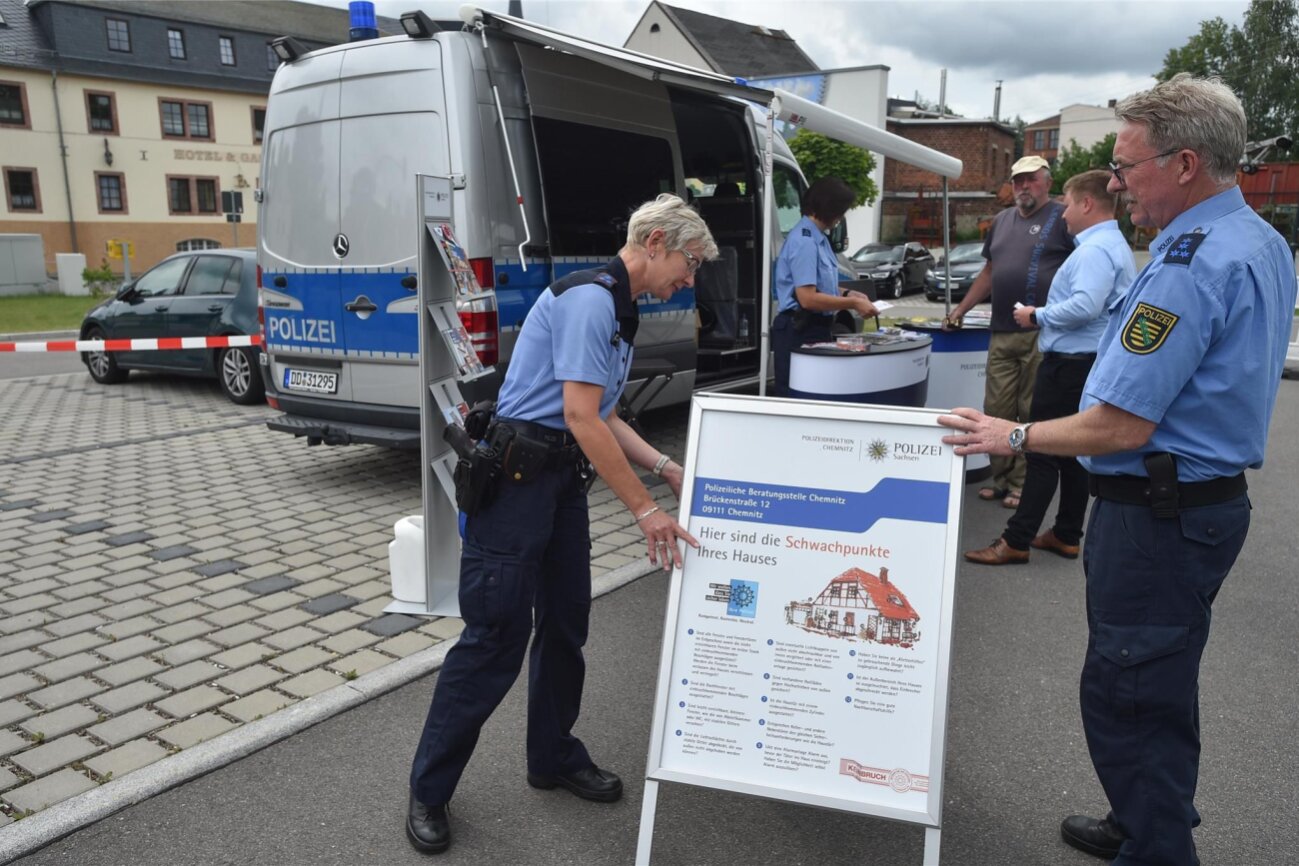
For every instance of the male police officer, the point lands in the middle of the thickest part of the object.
(1176, 407)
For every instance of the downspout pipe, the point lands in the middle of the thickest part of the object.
(63, 152)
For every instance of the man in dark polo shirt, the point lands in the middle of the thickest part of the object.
(1024, 247)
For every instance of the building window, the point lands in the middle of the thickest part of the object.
(186, 119)
(1039, 139)
(272, 59)
(195, 244)
(1055, 139)
(21, 190)
(259, 124)
(197, 115)
(101, 113)
(112, 191)
(176, 43)
(13, 105)
(227, 47)
(119, 35)
(192, 195)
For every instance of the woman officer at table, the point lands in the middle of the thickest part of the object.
(807, 277)
(525, 569)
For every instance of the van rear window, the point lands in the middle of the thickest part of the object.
(593, 179)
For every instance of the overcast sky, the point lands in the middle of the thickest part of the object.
(1047, 54)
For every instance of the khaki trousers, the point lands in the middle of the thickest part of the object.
(1008, 393)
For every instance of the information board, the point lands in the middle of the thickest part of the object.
(808, 639)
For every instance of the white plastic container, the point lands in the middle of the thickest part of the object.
(406, 560)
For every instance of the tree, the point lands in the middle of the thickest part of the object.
(821, 156)
(1075, 159)
(1259, 60)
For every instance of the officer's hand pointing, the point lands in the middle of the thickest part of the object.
(661, 534)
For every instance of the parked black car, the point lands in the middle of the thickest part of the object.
(211, 293)
(966, 262)
(895, 269)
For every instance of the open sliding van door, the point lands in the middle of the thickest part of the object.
(606, 142)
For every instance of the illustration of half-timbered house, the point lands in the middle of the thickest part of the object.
(859, 605)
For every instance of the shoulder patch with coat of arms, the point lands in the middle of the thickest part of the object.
(1147, 329)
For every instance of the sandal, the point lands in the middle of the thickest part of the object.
(1011, 499)
(988, 494)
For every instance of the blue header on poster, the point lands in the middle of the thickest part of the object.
(818, 508)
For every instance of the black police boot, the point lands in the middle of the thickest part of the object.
(591, 783)
(427, 827)
(1096, 836)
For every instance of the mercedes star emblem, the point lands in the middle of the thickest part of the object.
(341, 245)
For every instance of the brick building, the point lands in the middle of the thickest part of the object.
(1042, 138)
(912, 197)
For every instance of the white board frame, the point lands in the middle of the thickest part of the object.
(930, 813)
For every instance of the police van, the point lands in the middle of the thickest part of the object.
(550, 141)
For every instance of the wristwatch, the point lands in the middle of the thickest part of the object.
(1018, 436)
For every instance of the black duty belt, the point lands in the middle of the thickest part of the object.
(1070, 356)
(1136, 490)
(556, 439)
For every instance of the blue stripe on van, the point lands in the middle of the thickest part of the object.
(392, 331)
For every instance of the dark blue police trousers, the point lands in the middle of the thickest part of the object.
(526, 557)
(1150, 588)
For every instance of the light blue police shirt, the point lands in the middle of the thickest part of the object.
(806, 259)
(1096, 274)
(570, 338)
(1198, 344)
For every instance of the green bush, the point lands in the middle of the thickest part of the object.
(100, 280)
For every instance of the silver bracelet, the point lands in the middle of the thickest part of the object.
(641, 517)
(663, 461)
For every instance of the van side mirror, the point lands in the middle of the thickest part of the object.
(839, 237)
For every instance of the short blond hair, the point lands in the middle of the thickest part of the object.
(1094, 183)
(680, 223)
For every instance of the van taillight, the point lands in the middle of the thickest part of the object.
(481, 325)
(261, 310)
(483, 272)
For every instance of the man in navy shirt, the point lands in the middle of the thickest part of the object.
(1176, 407)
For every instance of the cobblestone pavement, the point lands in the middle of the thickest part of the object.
(170, 570)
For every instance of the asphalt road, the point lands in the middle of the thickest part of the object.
(1016, 761)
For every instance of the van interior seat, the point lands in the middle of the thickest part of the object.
(717, 296)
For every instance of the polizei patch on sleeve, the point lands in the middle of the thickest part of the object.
(1183, 250)
(1147, 329)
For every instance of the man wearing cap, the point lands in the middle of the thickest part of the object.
(1024, 247)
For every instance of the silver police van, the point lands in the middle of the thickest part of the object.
(551, 141)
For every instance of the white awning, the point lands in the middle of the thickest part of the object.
(788, 107)
(827, 121)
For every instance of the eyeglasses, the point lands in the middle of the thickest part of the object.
(1117, 169)
(692, 261)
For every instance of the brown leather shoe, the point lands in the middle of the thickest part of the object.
(998, 553)
(1048, 541)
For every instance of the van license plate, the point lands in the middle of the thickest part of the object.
(311, 380)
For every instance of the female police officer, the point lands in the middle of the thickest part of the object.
(807, 277)
(526, 559)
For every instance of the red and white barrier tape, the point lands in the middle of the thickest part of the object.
(149, 345)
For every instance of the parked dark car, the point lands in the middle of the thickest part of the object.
(208, 293)
(966, 262)
(895, 269)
